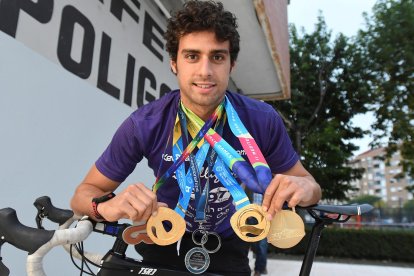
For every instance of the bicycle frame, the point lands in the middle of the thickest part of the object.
(39, 241)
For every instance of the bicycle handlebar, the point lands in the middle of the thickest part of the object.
(37, 242)
(34, 264)
(23, 237)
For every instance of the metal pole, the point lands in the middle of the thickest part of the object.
(312, 247)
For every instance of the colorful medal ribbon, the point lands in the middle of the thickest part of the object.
(257, 179)
(156, 229)
(190, 180)
(184, 187)
(255, 156)
(220, 169)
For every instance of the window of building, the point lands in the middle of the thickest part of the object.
(394, 163)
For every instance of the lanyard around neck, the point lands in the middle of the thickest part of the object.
(258, 179)
(192, 178)
(160, 181)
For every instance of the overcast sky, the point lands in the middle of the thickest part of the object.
(340, 15)
(343, 16)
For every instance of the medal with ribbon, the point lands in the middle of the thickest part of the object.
(156, 226)
(197, 260)
(256, 179)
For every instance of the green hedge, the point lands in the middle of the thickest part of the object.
(368, 244)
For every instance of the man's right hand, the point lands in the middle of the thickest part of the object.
(136, 202)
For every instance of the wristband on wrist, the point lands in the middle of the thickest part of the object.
(96, 201)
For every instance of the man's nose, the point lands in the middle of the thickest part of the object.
(205, 68)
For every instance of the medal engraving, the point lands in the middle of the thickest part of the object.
(247, 232)
(156, 229)
(286, 229)
(197, 260)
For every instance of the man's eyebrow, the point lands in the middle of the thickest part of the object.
(220, 51)
(191, 51)
(215, 51)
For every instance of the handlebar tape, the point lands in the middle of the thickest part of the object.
(23, 237)
(57, 215)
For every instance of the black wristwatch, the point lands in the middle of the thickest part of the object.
(96, 201)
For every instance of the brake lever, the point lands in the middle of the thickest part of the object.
(4, 271)
(45, 209)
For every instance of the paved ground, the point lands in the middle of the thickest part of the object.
(281, 267)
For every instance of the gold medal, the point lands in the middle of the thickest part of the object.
(286, 229)
(250, 232)
(156, 230)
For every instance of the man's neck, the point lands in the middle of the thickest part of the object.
(203, 112)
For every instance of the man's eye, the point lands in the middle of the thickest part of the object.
(191, 57)
(218, 58)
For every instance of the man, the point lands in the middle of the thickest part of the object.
(203, 44)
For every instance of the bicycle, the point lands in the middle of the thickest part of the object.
(37, 242)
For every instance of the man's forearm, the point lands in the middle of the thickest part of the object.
(81, 202)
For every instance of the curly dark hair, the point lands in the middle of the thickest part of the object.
(199, 16)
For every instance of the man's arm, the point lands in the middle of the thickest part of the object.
(135, 202)
(295, 186)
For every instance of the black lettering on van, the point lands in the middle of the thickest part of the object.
(117, 6)
(41, 10)
(164, 89)
(70, 17)
(150, 25)
(103, 68)
(129, 80)
(143, 75)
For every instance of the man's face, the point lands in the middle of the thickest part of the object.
(203, 69)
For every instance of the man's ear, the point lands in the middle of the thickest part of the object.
(173, 66)
(232, 66)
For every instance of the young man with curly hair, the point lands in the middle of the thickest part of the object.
(203, 44)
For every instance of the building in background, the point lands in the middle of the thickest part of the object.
(381, 178)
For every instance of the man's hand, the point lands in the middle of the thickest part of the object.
(296, 187)
(136, 202)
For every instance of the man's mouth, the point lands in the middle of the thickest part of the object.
(204, 85)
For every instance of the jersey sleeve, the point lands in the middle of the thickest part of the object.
(280, 154)
(123, 153)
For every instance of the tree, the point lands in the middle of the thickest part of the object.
(388, 47)
(327, 90)
(409, 209)
(410, 189)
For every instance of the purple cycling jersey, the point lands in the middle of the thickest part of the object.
(148, 131)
